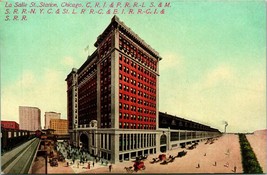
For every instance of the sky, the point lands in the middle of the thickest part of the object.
(213, 67)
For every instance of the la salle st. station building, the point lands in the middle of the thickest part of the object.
(113, 101)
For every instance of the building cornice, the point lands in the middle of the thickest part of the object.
(117, 24)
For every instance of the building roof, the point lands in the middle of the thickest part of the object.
(74, 70)
(116, 23)
(172, 117)
(89, 59)
(8, 121)
(29, 107)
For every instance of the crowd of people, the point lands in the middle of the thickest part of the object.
(78, 157)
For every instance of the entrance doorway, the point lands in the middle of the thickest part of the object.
(85, 141)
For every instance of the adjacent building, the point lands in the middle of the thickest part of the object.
(50, 115)
(10, 125)
(112, 99)
(60, 126)
(29, 118)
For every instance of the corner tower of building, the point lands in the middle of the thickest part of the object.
(128, 79)
(72, 103)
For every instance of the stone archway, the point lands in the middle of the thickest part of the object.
(84, 141)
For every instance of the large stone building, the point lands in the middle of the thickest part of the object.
(113, 97)
(50, 115)
(60, 126)
(29, 118)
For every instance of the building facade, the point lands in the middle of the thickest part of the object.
(113, 97)
(10, 125)
(50, 115)
(60, 126)
(29, 118)
(178, 132)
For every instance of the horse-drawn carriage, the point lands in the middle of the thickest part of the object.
(181, 153)
(138, 165)
(53, 162)
(161, 157)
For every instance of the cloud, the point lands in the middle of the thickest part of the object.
(227, 93)
(26, 80)
(223, 93)
(220, 75)
(68, 61)
(171, 60)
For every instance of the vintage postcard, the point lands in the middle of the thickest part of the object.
(133, 86)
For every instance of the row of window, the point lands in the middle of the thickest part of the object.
(105, 79)
(105, 124)
(90, 103)
(106, 106)
(131, 50)
(128, 125)
(137, 109)
(139, 101)
(139, 93)
(106, 62)
(105, 69)
(106, 88)
(135, 141)
(106, 115)
(88, 71)
(139, 117)
(139, 84)
(139, 76)
(105, 47)
(84, 98)
(135, 74)
(134, 65)
(88, 93)
(89, 74)
(87, 110)
(105, 97)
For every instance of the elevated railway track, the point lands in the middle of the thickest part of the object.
(20, 159)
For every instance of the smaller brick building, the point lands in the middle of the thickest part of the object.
(9, 125)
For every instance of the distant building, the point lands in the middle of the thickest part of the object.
(10, 125)
(60, 126)
(50, 115)
(29, 118)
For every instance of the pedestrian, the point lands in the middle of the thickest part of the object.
(73, 160)
(93, 164)
(88, 166)
(78, 164)
(198, 166)
(235, 169)
(215, 163)
(205, 154)
(110, 167)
